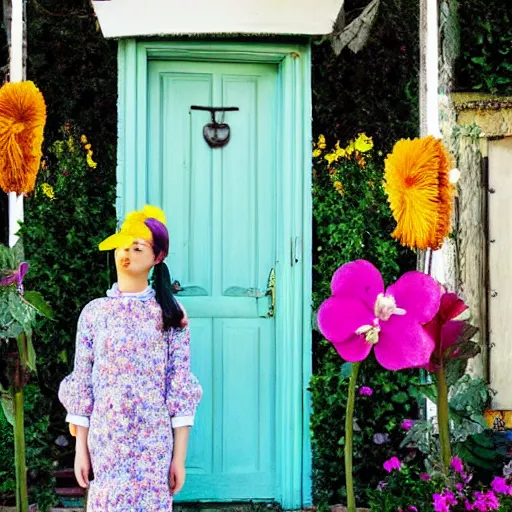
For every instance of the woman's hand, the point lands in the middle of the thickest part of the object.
(82, 466)
(176, 476)
(82, 457)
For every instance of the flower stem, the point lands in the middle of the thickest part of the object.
(443, 419)
(19, 452)
(349, 438)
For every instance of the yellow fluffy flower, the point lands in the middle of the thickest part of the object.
(22, 120)
(363, 143)
(321, 142)
(47, 190)
(317, 152)
(83, 139)
(416, 180)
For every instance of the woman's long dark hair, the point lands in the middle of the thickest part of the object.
(171, 311)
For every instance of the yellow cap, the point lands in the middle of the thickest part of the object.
(133, 228)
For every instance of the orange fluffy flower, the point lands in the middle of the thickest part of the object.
(420, 194)
(22, 120)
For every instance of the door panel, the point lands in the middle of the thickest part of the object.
(221, 211)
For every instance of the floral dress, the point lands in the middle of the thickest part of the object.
(131, 385)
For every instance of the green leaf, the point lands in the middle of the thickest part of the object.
(31, 354)
(346, 370)
(36, 300)
(7, 407)
(400, 398)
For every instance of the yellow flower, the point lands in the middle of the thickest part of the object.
(416, 180)
(83, 139)
(339, 187)
(340, 152)
(47, 190)
(321, 142)
(331, 157)
(87, 147)
(317, 152)
(363, 143)
(349, 150)
(22, 120)
(90, 162)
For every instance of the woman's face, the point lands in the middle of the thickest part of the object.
(138, 259)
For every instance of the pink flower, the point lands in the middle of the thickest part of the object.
(392, 464)
(485, 501)
(450, 336)
(407, 424)
(361, 314)
(442, 502)
(457, 465)
(425, 477)
(499, 485)
(365, 391)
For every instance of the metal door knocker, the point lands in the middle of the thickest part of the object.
(216, 134)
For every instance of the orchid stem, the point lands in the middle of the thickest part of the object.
(443, 419)
(349, 438)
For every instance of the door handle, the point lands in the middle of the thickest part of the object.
(269, 311)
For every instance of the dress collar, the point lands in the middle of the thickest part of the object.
(144, 295)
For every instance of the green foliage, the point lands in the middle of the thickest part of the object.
(70, 212)
(352, 221)
(485, 63)
(75, 68)
(472, 440)
(39, 453)
(376, 90)
(391, 496)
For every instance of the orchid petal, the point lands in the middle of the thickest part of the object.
(358, 280)
(450, 333)
(403, 343)
(339, 318)
(451, 307)
(417, 293)
(354, 349)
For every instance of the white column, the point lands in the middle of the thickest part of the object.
(429, 28)
(16, 75)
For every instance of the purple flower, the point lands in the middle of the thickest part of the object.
(499, 485)
(379, 438)
(412, 508)
(457, 465)
(392, 464)
(407, 424)
(381, 485)
(425, 477)
(485, 501)
(442, 502)
(365, 391)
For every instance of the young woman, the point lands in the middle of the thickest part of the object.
(132, 397)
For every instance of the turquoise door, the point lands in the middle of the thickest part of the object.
(221, 206)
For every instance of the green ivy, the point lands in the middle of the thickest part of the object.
(375, 90)
(39, 451)
(351, 221)
(485, 63)
(69, 213)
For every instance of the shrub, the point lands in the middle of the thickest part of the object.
(352, 221)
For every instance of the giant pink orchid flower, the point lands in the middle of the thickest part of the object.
(361, 314)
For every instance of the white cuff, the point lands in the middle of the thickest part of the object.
(81, 421)
(182, 421)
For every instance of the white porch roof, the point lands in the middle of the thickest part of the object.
(132, 18)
